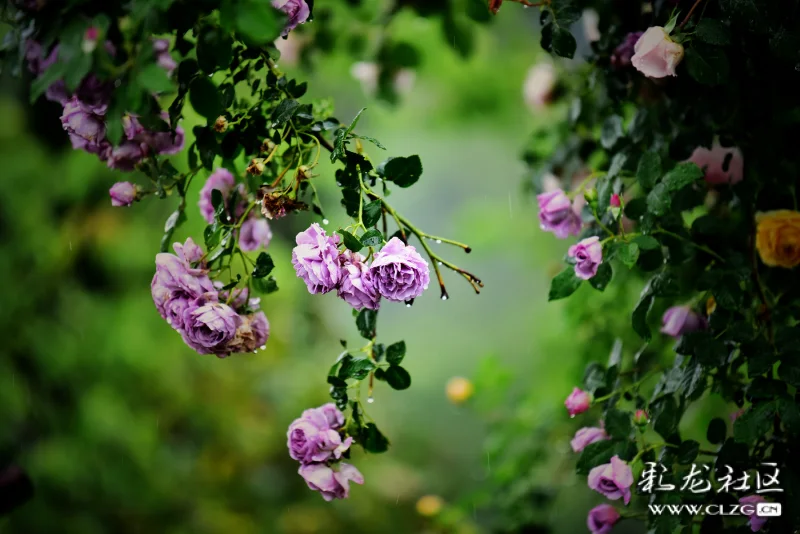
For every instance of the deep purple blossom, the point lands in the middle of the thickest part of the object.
(749, 505)
(332, 484)
(357, 286)
(588, 255)
(602, 518)
(316, 260)
(85, 127)
(208, 327)
(399, 272)
(621, 57)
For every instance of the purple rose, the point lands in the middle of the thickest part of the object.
(177, 283)
(331, 484)
(220, 179)
(82, 123)
(749, 505)
(557, 214)
(586, 436)
(588, 255)
(126, 156)
(602, 518)
(314, 438)
(189, 252)
(208, 327)
(399, 272)
(122, 194)
(679, 320)
(94, 94)
(163, 58)
(613, 480)
(316, 260)
(297, 12)
(357, 286)
(254, 234)
(38, 61)
(578, 402)
(250, 335)
(621, 57)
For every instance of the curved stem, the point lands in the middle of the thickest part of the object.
(689, 14)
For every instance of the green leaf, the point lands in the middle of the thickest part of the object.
(717, 430)
(365, 322)
(154, 79)
(649, 170)
(640, 311)
(646, 242)
(285, 111)
(214, 49)
(371, 140)
(708, 65)
(600, 452)
(350, 241)
(372, 238)
(564, 284)
(659, 200)
(789, 413)
(755, 423)
(618, 424)
(264, 265)
(372, 213)
(357, 368)
(563, 43)
(255, 20)
(713, 32)
(611, 131)
(397, 377)
(205, 98)
(565, 12)
(666, 416)
(372, 439)
(403, 172)
(265, 285)
(396, 352)
(628, 253)
(687, 452)
(177, 218)
(77, 69)
(685, 173)
(601, 280)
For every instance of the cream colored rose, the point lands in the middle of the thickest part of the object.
(655, 54)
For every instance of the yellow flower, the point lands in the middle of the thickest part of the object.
(778, 238)
(459, 390)
(429, 505)
(711, 305)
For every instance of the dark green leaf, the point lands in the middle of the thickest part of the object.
(708, 65)
(717, 430)
(357, 368)
(564, 284)
(256, 20)
(600, 453)
(285, 111)
(563, 42)
(214, 49)
(264, 265)
(665, 416)
(372, 238)
(649, 170)
(602, 278)
(713, 32)
(755, 423)
(365, 322)
(373, 440)
(372, 213)
(205, 98)
(618, 424)
(611, 131)
(685, 173)
(628, 253)
(403, 172)
(397, 377)
(659, 200)
(687, 452)
(646, 242)
(350, 241)
(396, 352)
(640, 311)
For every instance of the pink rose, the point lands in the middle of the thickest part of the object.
(602, 518)
(577, 402)
(679, 320)
(613, 480)
(586, 436)
(721, 165)
(656, 55)
(588, 255)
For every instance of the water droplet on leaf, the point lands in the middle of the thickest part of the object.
(370, 400)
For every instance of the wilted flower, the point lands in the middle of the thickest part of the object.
(221, 124)
(399, 272)
(332, 484)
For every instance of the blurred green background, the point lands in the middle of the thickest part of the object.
(125, 429)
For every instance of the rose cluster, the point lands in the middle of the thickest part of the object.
(397, 272)
(255, 232)
(315, 441)
(209, 320)
(84, 112)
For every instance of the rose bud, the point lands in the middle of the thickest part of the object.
(588, 255)
(578, 402)
(656, 55)
(640, 418)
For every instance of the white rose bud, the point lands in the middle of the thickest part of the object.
(656, 55)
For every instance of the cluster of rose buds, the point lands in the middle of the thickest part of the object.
(255, 232)
(315, 441)
(209, 320)
(84, 112)
(397, 272)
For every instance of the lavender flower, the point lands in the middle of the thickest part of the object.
(399, 272)
(557, 214)
(588, 255)
(314, 436)
(297, 12)
(330, 483)
(122, 194)
(316, 260)
(86, 128)
(220, 179)
(254, 234)
(357, 286)
(209, 327)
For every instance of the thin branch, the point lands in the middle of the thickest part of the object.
(689, 14)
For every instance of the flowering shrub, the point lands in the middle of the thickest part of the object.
(123, 94)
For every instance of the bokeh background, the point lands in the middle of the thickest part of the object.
(124, 429)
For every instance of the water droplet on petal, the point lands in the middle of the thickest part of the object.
(169, 321)
(370, 400)
(263, 347)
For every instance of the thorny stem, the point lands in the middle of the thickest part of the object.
(695, 245)
(689, 14)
